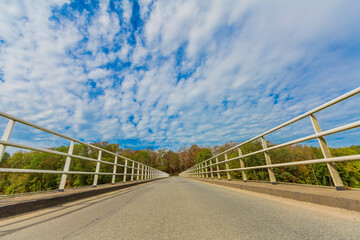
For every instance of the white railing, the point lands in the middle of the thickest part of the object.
(203, 169)
(143, 172)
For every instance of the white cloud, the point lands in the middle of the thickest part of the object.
(238, 58)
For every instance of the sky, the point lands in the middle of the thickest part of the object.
(167, 74)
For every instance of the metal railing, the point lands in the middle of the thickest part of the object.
(143, 172)
(203, 169)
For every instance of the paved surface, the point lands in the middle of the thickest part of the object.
(347, 199)
(293, 187)
(11, 205)
(6, 200)
(177, 208)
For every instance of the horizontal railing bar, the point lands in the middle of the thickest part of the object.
(17, 170)
(8, 116)
(303, 139)
(298, 163)
(22, 146)
(315, 110)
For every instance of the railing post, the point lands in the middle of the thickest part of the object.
(125, 171)
(146, 173)
(132, 171)
(6, 136)
(227, 167)
(242, 165)
(202, 171)
(326, 153)
(211, 169)
(97, 170)
(206, 169)
(268, 161)
(138, 172)
(66, 167)
(114, 171)
(217, 168)
(142, 172)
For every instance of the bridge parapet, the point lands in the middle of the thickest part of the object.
(144, 172)
(201, 170)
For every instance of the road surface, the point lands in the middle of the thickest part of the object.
(176, 208)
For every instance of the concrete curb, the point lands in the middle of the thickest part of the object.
(349, 204)
(64, 197)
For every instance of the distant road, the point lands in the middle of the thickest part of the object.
(177, 208)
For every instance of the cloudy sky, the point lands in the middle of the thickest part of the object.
(172, 73)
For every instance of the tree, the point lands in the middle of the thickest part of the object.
(203, 154)
(4, 158)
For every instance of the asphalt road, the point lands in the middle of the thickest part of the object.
(177, 208)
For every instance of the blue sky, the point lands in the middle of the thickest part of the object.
(172, 73)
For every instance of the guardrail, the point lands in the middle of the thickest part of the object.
(206, 167)
(143, 172)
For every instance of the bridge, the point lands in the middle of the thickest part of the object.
(204, 202)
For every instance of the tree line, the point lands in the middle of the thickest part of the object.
(173, 163)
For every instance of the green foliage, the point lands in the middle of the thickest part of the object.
(173, 163)
(4, 158)
(203, 154)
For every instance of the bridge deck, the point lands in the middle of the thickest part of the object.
(177, 208)
(348, 199)
(21, 203)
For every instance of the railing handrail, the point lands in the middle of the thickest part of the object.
(303, 139)
(147, 172)
(201, 169)
(293, 120)
(8, 116)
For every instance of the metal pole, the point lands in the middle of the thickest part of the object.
(268, 161)
(114, 171)
(138, 172)
(227, 167)
(206, 169)
(125, 170)
(142, 172)
(217, 168)
(202, 171)
(66, 167)
(97, 170)
(132, 171)
(6, 136)
(211, 169)
(242, 165)
(326, 153)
